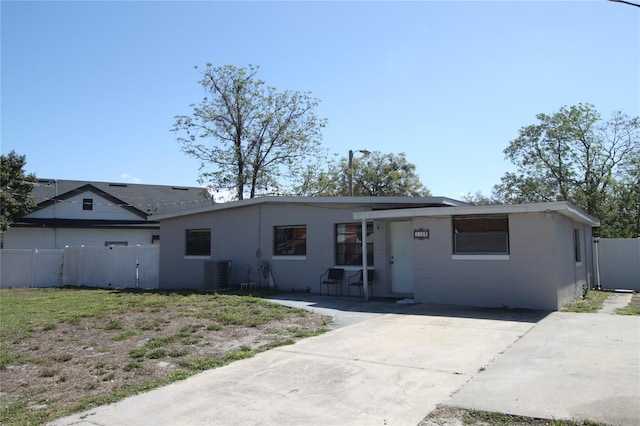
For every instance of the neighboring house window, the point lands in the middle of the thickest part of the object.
(198, 242)
(480, 235)
(576, 246)
(87, 204)
(290, 240)
(349, 244)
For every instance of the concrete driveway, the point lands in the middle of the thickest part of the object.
(385, 364)
(569, 366)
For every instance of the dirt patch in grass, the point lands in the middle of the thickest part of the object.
(66, 350)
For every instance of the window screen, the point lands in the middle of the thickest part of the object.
(481, 235)
(198, 242)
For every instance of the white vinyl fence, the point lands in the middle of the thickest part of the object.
(618, 263)
(115, 266)
(30, 268)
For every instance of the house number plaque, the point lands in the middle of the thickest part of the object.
(421, 234)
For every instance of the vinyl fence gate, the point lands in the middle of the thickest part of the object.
(617, 263)
(114, 266)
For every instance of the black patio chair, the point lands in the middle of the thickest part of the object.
(357, 280)
(332, 277)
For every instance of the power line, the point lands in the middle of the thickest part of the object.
(626, 2)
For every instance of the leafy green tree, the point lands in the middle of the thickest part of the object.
(320, 182)
(250, 138)
(572, 155)
(16, 199)
(623, 206)
(374, 174)
(379, 174)
(479, 199)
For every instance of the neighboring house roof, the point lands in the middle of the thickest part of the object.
(67, 196)
(562, 207)
(131, 206)
(143, 200)
(375, 203)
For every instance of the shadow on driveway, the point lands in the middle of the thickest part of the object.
(350, 310)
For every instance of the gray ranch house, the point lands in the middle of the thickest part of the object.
(430, 249)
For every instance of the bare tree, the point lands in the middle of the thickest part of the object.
(250, 138)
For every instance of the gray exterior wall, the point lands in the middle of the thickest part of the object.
(245, 235)
(573, 276)
(540, 273)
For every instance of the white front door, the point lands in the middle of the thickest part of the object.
(401, 257)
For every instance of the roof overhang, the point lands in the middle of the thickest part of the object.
(561, 207)
(374, 203)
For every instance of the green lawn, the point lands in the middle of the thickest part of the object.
(67, 350)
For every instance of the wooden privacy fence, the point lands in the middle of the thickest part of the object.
(114, 266)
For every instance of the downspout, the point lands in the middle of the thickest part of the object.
(596, 242)
(365, 272)
(55, 215)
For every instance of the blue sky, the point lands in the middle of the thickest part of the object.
(90, 89)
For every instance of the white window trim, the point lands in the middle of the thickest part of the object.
(480, 257)
(197, 257)
(285, 257)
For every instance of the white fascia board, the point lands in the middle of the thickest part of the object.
(346, 201)
(561, 207)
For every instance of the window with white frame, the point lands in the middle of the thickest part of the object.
(290, 240)
(349, 244)
(198, 242)
(478, 235)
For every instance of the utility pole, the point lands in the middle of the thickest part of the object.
(364, 152)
